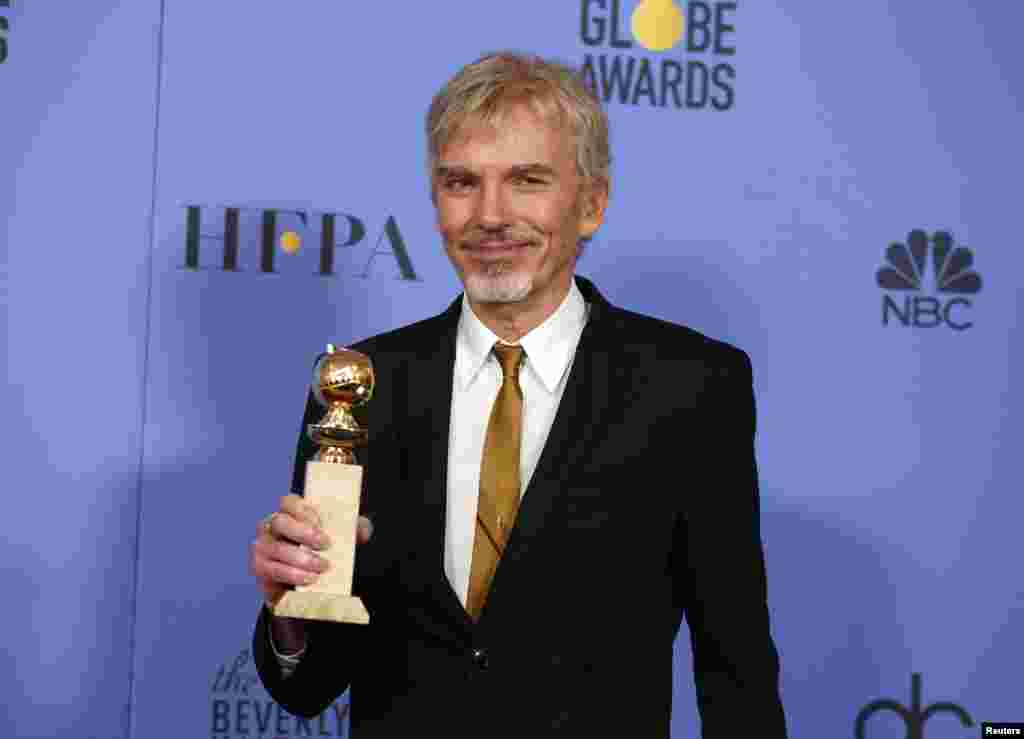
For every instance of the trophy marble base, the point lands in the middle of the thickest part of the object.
(346, 609)
(333, 489)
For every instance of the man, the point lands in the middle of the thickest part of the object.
(551, 482)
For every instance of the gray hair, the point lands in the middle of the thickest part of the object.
(486, 89)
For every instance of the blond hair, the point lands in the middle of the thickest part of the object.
(488, 87)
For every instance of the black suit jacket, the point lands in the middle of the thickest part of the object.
(643, 507)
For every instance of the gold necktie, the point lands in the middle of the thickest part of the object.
(499, 480)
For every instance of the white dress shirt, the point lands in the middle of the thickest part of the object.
(549, 350)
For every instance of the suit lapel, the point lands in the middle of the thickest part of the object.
(580, 413)
(430, 372)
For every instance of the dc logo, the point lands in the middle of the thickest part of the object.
(913, 717)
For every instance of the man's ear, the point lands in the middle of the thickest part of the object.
(593, 204)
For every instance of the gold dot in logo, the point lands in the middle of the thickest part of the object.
(290, 242)
(657, 24)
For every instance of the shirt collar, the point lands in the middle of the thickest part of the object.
(549, 347)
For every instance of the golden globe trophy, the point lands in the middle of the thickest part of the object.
(342, 380)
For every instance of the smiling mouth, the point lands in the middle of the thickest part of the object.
(496, 249)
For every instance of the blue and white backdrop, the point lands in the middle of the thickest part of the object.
(831, 186)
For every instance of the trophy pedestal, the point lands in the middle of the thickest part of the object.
(333, 489)
(345, 609)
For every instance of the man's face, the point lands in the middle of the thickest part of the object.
(511, 208)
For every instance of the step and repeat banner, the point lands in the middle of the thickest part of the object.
(205, 194)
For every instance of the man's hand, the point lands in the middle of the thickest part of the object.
(283, 555)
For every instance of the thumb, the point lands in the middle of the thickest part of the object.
(364, 530)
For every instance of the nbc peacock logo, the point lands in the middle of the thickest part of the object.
(660, 53)
(928, 263)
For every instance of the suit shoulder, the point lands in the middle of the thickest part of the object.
(669, 340)
(406, 339)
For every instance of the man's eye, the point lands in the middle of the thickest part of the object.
(529, 180)
(457, 183)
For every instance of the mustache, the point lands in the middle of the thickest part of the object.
(485, 238)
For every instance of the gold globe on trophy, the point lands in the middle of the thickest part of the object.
(342, 380)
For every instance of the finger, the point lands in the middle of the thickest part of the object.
(271, 591)
(285, 526)
(275, 574)
(364, 530)
(282, 574)
(296, 556)
(267, 553)
(300, 509)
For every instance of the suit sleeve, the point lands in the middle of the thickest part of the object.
(719, 570)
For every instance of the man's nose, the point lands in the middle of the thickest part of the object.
(491, 207)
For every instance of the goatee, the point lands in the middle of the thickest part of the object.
(498, 286)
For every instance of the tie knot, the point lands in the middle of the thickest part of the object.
(509, 358)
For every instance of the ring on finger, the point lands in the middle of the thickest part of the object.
(268, 524)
